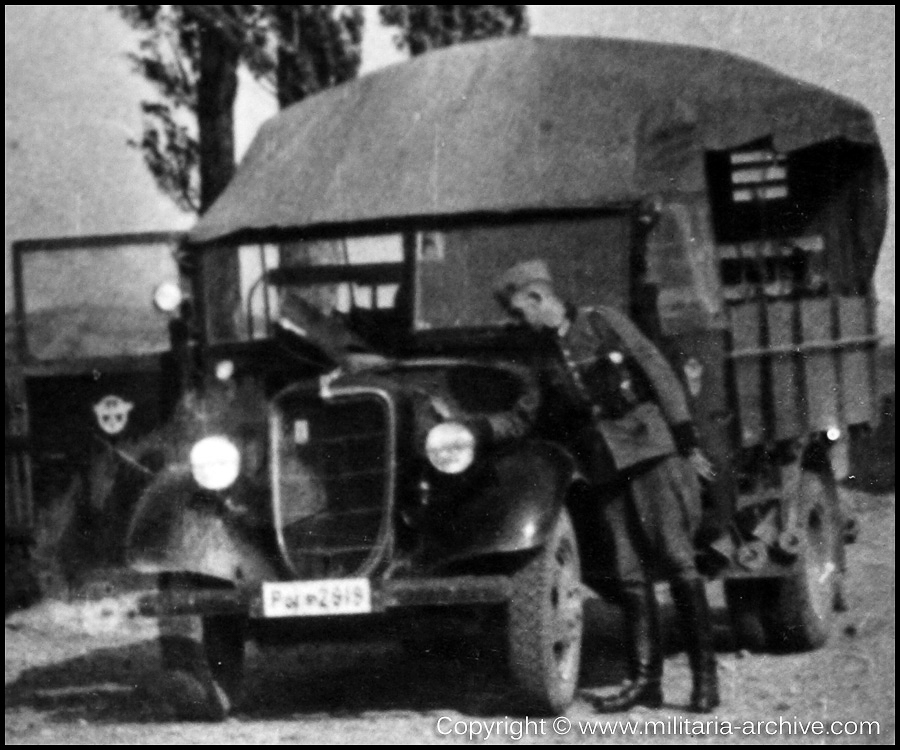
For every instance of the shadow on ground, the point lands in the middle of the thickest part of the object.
(873, 453)
(117, 685)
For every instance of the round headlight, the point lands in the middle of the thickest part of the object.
(450, 447)
(224, 370)
(167, 296)
(215, 463)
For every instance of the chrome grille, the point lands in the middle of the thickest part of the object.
(331, 480)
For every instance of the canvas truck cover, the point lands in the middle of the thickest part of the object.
(525, 124)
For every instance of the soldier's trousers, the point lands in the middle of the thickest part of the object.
(651, 518)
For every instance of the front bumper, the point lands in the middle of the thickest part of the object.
(387, 596)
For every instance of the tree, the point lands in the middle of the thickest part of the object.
(318, 46)
(191, 54)
(425, 27)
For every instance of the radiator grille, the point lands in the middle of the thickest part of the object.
(332, 481)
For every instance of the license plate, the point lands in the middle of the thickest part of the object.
(338, 596)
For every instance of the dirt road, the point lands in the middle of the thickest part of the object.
(78, 675)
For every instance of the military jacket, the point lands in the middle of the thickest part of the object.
(616, 390)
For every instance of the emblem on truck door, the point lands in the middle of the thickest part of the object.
(112, 414)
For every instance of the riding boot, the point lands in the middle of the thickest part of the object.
(642, 623)
(689, 595)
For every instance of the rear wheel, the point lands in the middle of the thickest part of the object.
(546, 621)
(802, 610)
(796, 612)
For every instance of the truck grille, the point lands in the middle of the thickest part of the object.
(332, 480)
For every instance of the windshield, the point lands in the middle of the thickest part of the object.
(370, 289)
(90, 297)
(457, 268)
(339, 289)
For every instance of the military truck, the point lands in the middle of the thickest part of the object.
(84, 385)
(323, 479)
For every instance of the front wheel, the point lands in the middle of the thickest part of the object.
(546, 622)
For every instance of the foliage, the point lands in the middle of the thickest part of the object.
(190, 53)
(425, 27)
(171, 153)
(318, 46)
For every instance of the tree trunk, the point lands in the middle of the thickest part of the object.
(216, 92)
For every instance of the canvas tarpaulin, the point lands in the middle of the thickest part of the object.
(519, 125)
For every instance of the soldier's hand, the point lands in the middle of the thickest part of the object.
(702, 465)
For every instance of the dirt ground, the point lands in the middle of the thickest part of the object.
(83, 674)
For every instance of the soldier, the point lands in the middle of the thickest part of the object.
(615, 399)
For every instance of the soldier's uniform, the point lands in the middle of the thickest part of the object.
(612, 397)
(639, 432)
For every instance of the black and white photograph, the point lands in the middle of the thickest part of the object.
(450, 374)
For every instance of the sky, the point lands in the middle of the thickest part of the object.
(72, 100)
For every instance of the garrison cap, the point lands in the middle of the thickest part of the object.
(519, 276)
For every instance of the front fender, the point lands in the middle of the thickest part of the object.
(176, 529)
(510, 508)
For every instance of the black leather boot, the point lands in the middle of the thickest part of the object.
(642, 623)
(692, 606)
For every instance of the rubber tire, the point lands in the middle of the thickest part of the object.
(801, 612)
(545, 623)
(746, 601)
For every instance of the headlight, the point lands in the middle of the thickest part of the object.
(215, 463)
(450, 447)
(167, 296)
(224, 370)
